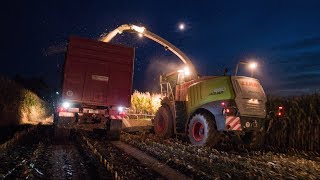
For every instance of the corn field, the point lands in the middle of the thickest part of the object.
(299, 128)
(145, 102)
(21, 106)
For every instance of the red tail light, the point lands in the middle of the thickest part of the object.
(61, 109)
(281, 111)
(122, 114)
(230, 111)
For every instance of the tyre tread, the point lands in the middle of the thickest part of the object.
(213, 136)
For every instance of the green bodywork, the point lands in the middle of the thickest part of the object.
(209, 90)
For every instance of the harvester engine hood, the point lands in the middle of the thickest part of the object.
(250, 97)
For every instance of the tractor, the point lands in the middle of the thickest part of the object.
(206, 107)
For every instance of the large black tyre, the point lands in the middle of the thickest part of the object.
(163, 122)
(55, 118)
(254, 139)
(202, 130)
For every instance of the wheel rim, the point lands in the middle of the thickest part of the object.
(161, 124)
(198, 131)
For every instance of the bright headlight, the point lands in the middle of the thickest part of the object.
(138, 29)
(120, 109)
(186, 71)
(66, 105)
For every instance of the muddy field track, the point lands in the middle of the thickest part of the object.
(125, 161)
(209, 163)
(39, 155)
(50, 153)
(43, 154)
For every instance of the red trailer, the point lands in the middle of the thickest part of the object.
(97, 83)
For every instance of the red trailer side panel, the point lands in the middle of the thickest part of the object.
(97, 73)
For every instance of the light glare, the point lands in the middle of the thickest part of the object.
(66, 105)
(253, 65)
(120, 109)
(186, 71)
(138, 29)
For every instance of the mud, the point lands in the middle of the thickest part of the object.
(210, 163)
(42, 156)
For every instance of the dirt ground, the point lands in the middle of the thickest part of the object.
(41, 156)
(140, 122)
(57, 153)
(211, 163)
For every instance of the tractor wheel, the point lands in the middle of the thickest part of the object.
(163, 122)
(202, 130)
(254, 139)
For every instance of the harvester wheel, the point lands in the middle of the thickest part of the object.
(163, 122)
(202, 130)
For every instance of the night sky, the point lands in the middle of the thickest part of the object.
(282, 36)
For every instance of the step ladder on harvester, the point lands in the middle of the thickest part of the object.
(178, 107)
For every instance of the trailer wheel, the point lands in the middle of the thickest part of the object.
(163, 122)
(202, 130)
(55, 118)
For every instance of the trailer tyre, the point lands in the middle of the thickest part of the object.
(163, 122)
(55, 118)
(202, 130)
